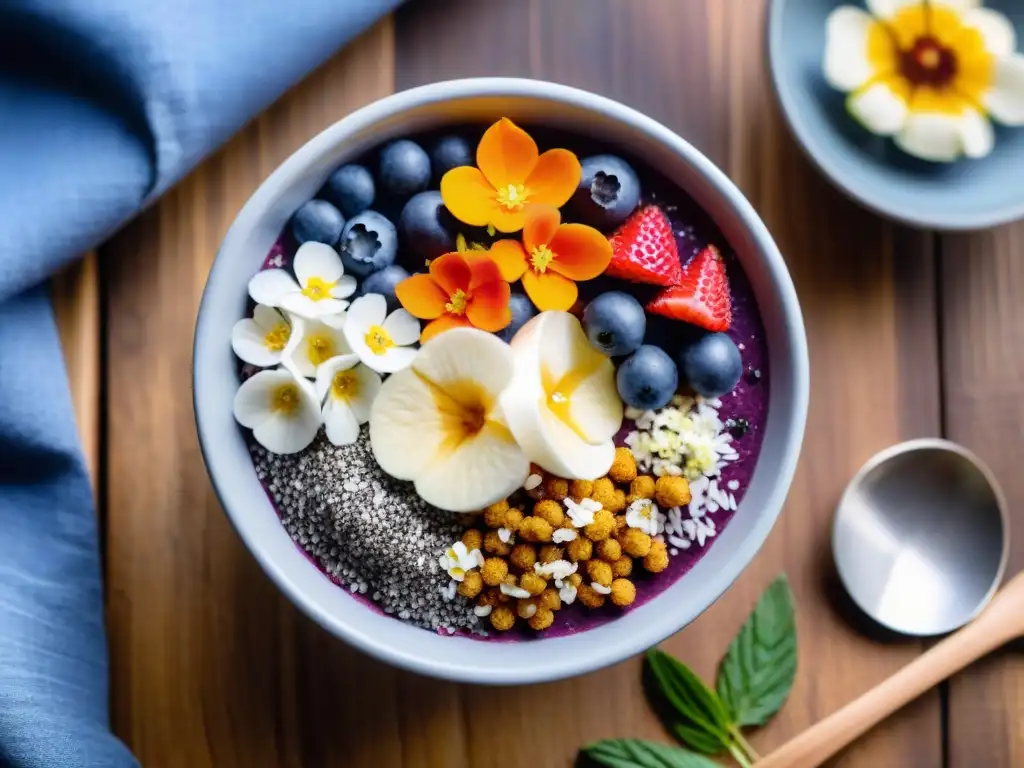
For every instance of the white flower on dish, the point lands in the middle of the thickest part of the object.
(263, 339)
(317, 343)
(582, 513)
(319, 288)
(929, 74)
(601, 589)
(280, 408)
(347, 390)
(458, 560)
(644, 515)
(382, 341)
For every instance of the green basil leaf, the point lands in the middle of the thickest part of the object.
(637, 753)
(758, 670)
(690, 709)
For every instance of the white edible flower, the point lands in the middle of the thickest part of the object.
(482, 610)
(314, 344)
(532, 482)
(263, 338)
(582, 513)
(280, 408)
(601, 589)
(382, 341)
(644, 515)
(929, 73)
(516, 592)
(321, 288)
(504, 535)
(347, 389)
(457, 560)
(529, 610)
(563, 535)
(558, 570)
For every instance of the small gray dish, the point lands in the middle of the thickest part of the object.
(965, 195)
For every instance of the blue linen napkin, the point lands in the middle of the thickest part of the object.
(104, 104)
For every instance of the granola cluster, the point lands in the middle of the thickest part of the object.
(559, 540)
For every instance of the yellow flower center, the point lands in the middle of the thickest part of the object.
(512, 197)
(457, 303)
(931, 59)
(560, 393)
(540, 257)
(464, 407)
(345, 385)
(277, 337)
(378, 340)
(285, 399)
(317, 289)
(319, 349)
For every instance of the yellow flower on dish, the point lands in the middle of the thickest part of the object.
(510, 174)
(929, 74)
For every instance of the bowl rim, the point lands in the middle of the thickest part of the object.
(224, 472)
(819, 156)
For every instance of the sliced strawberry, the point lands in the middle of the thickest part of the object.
(644, 249)
(702, 296)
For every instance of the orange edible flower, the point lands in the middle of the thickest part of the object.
(462, 289)
(510, 174)
(555, 256)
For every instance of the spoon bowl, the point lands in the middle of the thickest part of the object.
(919, 537)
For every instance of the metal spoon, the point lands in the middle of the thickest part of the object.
(920, 541)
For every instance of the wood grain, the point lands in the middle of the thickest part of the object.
(211, 665)
(983, 375)
(75, 294)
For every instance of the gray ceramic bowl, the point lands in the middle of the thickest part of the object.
(224, 447)
(968, 194)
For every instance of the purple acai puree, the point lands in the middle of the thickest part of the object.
(744, 410)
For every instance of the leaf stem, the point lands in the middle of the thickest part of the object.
(743, 744)
(738, 755)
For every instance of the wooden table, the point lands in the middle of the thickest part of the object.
(911, 334)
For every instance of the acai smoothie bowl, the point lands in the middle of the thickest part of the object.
(500, 381)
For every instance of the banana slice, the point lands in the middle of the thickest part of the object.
(438, 423)
(562, 405)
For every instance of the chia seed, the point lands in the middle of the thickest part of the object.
(367, 531)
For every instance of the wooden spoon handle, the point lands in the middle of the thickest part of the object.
(821, 741)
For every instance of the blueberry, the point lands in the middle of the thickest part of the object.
(404, 169)
(368, 243)
(647, 379)
(711, 365)
(383, 281)
(522, 311)
(422, 228)
(351, 189)
(317, 221)
(450, 152)
(615, 323)
(609, 191)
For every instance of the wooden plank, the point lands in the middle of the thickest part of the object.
(868, 294)
(211, 665)
(983, 377)
(76, 308)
